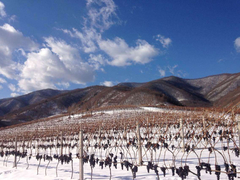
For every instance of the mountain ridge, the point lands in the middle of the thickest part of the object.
(221, 90)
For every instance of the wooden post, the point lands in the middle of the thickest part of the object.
(139, 145)
(238, 132)
(15, 156)
(2, 145)
(37, 146)
(204, 127)
(124, 133)
(61, 143)
(204, 124)
(99, 131)
(23, 145)
(182, 135)
(81, 155)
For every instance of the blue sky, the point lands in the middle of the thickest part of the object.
(62, 44)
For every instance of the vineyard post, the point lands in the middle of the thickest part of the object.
(15, 156)
(124, 129)
(139, 144)
(182, 134)
(99, 131)
(238, 131)
(81, 155)
(37, 146)
(23, 144)
(204, 126)
(61, 143)
(2, 145)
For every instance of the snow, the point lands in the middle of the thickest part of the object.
(162, 156)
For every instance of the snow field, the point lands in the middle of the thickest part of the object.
(161, 143)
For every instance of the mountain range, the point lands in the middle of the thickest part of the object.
(213, 91)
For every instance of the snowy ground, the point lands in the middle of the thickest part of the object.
(33, 169)
(65, 170)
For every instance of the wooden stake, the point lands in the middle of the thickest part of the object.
(81, 155)
(204, 127)
(23, 145)
(61, 143)
(182, 135)
(238, 132)
(139, 145)
(15, 156)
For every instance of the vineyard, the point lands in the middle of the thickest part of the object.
(125, 143)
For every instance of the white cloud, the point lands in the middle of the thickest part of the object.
(123, 55)
(14, 94)
(13, 18)
(22, 52)
(2, 11)
(107, 83)
(56, 65)
(10, 40)
(1, 87)
(164, 41)
(101, 13)
(220, 60)
(64, 85)
(162, 72)
(12, 87)
(88, 37)
(97, 61)
(40, 70)
(237, 44)
(66, 53)
(172, 69)
(100, 17)
(2, 80)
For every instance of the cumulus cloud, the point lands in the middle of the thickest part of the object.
(40, 69)
(2, 11)
(13, 39)
(66, 52)
(237, 44)
(123, 55)
(164, 41)
(107, 83)
(88, 37)
(10, 40)
(53, 66)
(97, 61)
(57, 64)
(100, 17)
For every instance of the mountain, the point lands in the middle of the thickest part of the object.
(213, 91)
(11, 104)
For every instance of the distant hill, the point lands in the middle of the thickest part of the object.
(213, 91)
(11, 104)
